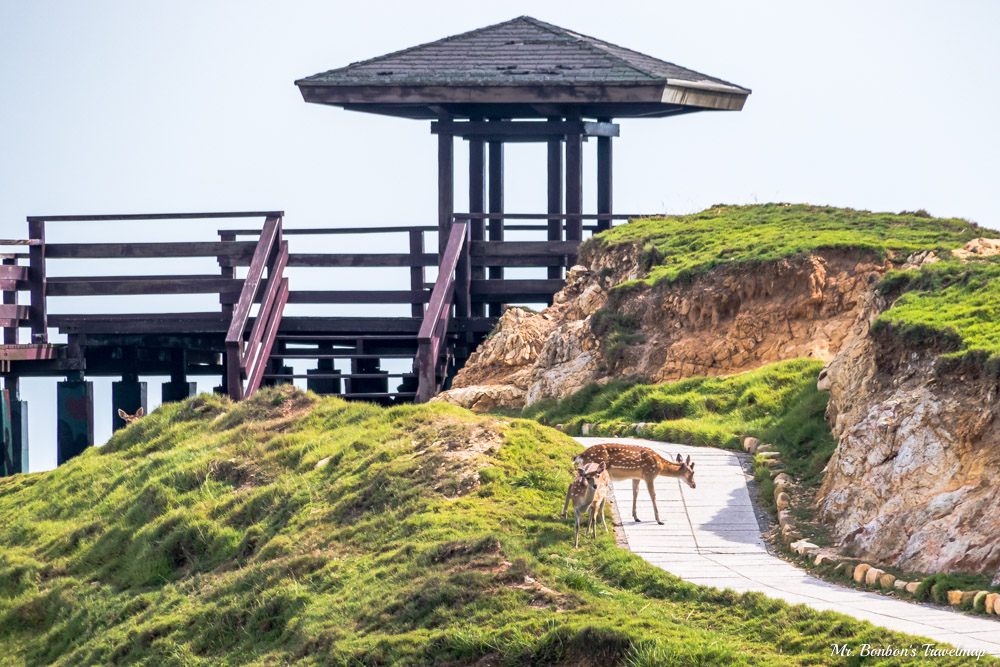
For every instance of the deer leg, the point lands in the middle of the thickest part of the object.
(576, 537)
(652, 496)
(635, 495)
(566, 504)
(603, 520)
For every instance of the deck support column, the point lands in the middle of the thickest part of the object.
(446, 189)
(327, 386)
(574, 187)
(555, 194)
(496, 206)
(128, 395)
(178, 388)
(477, 204)
(75, 412)
(14, 458)
(604, 178)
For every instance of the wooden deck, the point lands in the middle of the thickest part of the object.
(251, 339)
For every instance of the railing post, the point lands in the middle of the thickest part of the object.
(417, 272)
(227, 269)
(555, 195)
(604, 179)
(37, 281)
(463, 276)
(496, 206)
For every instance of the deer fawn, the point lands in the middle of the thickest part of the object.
(589, 491)
(127, 418)
(638, 463)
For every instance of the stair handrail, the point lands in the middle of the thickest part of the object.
(437, 317)
(247, 361)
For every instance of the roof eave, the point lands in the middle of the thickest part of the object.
(722, 97)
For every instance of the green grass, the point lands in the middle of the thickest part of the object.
(777, 403)
(205, 534)
(681, 247)
(952, 304)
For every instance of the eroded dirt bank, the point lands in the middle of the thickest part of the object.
(731, 319)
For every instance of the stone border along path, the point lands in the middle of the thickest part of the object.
(711, 537)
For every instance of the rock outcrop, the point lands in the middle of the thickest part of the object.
(732, 319)
(912, 483)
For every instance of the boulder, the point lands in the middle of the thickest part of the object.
(841, 567)
(483, 398)
(585, 429)
(782, 501)
(789, 534)
(860, 571)
(784, 516)
(764, 448)
(872, 575)
(751, 444)
(991, 602)
(886, 581)
(899, 584)
(782, 480)
(968, 596)
(804, 548)
(824, 559)
(912, 587)
(954, 598)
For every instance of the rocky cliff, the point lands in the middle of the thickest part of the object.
(913, 480)
(733, 318)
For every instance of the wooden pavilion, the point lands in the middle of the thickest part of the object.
(518, 81)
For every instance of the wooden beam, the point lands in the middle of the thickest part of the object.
(515, 288)
(36, 276)
(496, 231)
(555, 198)
(148, 285)
(523, 130)
(417, 273)
(477, 204)
(417, 297)
(362, 259)
(604, 180)
(574, 187)
(446, 189)
(154, 216)
(144, 250)
(518, 248)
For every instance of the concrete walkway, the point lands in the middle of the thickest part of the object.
(711, 537)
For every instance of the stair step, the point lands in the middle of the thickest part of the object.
(345, 355)
(332, 376)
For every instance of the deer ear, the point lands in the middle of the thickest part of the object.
(580, 472)
(138, 413)
(679, 458)
(121, 413)
(604, 466)
(688, 460)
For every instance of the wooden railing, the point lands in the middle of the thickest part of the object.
(13, 278)
(452, 286)
(247, 359)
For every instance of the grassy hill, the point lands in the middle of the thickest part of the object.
(289, 529)
(682, 246)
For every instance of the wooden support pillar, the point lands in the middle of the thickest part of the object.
(227, 270)
(574, 187)
(477, 204)
(37, 278)
(496, 206)
(446, 189)
(324, 385)
(17, 416)
(604, 178)
(555, 195)
(75, 412)
(178, 388)
(417, 271)
(128, 395)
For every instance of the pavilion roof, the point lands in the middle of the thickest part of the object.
(523, 61)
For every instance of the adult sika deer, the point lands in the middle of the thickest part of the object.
(637, 463)
(589, 491)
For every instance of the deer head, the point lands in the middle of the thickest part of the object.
(590, 473)
(687, 470)
(127, 418)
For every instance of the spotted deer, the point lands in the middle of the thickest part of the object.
(589, 491)
(638, 463)
(127, 418)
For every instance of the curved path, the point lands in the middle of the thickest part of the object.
(711, 537)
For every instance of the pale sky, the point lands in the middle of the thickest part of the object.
(126, 107)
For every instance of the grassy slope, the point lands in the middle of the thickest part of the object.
(205, 534)
(778, 403)
(956, 303)
(683, 246)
